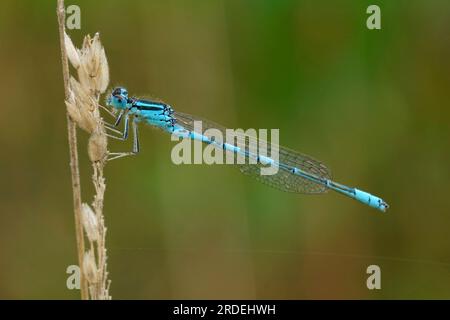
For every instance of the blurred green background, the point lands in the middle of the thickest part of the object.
(372, 105)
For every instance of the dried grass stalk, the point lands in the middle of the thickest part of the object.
(82, 102)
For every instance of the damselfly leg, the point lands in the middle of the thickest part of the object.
(112, 114)
(136, 146)
(122, 135)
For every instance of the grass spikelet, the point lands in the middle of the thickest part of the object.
(93, 70)
(90, 270)
(90, 223)
(97, 146)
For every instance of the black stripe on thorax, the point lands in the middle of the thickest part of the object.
(146, 105)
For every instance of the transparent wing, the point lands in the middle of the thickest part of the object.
(283, 180)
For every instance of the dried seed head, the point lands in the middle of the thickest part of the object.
(103, 78)
(97, 146)
(93, 79)
(94, 71)
(90, 223)
(90, 267)
(74, 113)
(87, 115)
(72, 53)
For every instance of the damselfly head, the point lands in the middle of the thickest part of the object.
(118, 98)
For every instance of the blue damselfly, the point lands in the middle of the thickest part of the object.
(297, 172)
